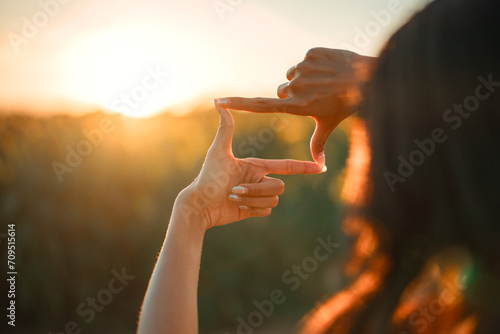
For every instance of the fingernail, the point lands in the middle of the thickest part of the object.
(239, 190)
(235, 198)
(321, 159)
(223, 101)
(323, 169)
(243, 207)
(217, 106)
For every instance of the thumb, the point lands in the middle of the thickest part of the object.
(224, 136)
(318, 140)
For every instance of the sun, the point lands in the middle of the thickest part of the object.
(135, 71)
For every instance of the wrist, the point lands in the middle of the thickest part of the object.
(189, 210)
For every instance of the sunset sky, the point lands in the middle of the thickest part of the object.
(140, 56)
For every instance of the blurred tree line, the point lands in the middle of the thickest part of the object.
(109, 212)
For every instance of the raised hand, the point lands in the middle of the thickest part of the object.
(230, 189)
(324, 86)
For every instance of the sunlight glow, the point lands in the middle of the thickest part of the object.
(128, 70)
(96, 53)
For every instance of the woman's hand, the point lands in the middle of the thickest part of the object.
(325, 86)
(229, 189)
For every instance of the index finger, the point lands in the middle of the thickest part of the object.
(224, 136)
(257, 104)
(289, 166)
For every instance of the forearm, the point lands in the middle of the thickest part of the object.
(170, 304)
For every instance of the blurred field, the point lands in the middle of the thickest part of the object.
(111, 212)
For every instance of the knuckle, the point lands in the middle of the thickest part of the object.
(281, 187)
(292, 71)
(283, 90)
(261, 104)
(318, 145)
(265, 212)
(289, 166)
(212, 152)
(302, 103)
(275, 202)
(257, 191)
(297, 85)
(314, 53)
(302, 66)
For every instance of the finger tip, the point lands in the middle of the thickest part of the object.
(223, 101)
(321, 159)
(217, 106)
(226, 118)
(318, 169)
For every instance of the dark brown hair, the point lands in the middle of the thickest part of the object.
(423, 183)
